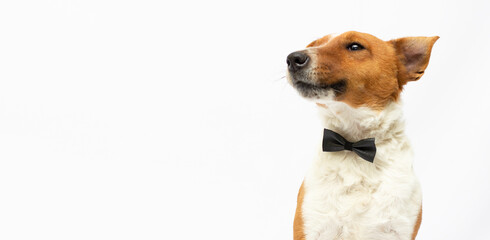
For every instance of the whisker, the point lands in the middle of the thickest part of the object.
(278, 79)
(279, 75)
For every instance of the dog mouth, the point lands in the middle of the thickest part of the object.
(298, 84)
(310, 90)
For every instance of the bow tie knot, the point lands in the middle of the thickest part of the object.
(348, 146)
(334, 142)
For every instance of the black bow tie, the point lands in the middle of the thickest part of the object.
(334, 142)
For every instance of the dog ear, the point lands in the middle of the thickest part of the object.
(413, 56)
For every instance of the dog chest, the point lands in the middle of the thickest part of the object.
(355, 201)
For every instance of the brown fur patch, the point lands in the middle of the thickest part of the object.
(298, 225)
(375, 74)
(417, 224)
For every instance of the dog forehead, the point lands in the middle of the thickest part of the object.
(346, 36)
(323, 40)
(364, 38)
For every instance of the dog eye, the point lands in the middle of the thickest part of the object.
(355, 47)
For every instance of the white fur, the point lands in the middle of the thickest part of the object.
(349, 198)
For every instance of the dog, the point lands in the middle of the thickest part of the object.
(356, 79)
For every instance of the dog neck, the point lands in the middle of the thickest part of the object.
(355, 124)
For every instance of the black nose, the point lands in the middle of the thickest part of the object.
(296, 61)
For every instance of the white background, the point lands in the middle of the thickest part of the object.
(159, 120)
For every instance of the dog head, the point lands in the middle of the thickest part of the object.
(358, 69)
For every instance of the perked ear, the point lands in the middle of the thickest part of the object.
(413, 56)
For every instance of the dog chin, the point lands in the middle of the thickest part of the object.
(315, 95)
(313, 92)
(325, 95)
